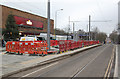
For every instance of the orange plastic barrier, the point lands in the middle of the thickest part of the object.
(27, 47)
(67, 45)
(12, 46)
(40, 47)
(53, 42)
(61, 44)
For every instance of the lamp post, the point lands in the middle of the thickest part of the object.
(56, 22)
(89, 27)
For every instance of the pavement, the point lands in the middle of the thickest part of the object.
(88, 64)
(2, 49)
(13, 63)
(118, 61)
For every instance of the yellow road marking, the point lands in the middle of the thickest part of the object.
(109, 65)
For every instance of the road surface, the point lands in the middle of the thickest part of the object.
(90, 63)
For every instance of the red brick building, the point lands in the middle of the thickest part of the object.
(28, 24)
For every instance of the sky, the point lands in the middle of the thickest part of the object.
(77, 10)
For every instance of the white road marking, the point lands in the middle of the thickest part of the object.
(40, 69)
(116, 63)
(88, 63)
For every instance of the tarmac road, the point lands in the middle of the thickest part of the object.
(90, 63)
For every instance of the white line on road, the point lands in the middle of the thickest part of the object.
(116, 63)
(40, 69)
(88, 63)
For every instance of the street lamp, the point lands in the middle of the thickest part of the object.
(56, 22)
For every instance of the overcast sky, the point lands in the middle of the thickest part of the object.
(78, 10)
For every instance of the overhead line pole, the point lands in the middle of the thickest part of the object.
(73, 31)
(73, 27)
(55, 24)
(89, 27)
(68, 28)
(87, 33)
(48, 26)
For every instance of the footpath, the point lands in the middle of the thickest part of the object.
(118, 50)
(2, 49)
(22, 62)
(117, 63)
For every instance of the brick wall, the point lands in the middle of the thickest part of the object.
(6, 11)
(0, 16)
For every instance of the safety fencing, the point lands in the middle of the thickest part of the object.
(28, 47)
(40, 47)
(71, 45)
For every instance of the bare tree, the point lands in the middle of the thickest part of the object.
(60, 32)
(101, 36)
(94, 33)
(114, 36)
(96, 30)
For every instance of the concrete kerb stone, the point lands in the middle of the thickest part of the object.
(60, 57)
(86, 48)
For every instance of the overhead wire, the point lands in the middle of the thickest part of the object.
(101, 12)
(102, 16)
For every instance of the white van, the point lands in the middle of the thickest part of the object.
(45, 36)
(32, 38)
(28, 39)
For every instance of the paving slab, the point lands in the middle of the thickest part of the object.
(2, 49)
(119, 61)
(12, 63)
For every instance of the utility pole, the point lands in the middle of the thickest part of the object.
(89, 27)
(118, 34)
(69, 21)
(73, 27)
(68, 28)
(48, 26)
(87, 33)
(55, 25)
(73, 31)
(69, 25)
